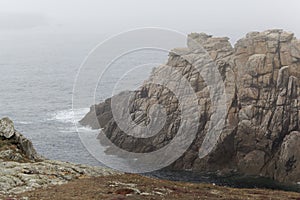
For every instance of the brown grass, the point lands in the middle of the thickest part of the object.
(136, 187)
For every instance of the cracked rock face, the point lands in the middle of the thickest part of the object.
(261, 132)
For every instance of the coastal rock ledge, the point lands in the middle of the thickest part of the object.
(261, 135)
(22, 169)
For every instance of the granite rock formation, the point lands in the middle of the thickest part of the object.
(261, 134)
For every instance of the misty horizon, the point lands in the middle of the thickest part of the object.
(108, 18)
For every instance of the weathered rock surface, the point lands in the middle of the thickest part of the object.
(22, 169)
(261, 133)
(18, 177)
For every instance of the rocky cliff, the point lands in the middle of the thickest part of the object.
(261, 133)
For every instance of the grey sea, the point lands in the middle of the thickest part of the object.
(37, 76)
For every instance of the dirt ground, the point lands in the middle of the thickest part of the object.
(136, 187)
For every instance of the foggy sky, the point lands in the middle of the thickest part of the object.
(231, 18)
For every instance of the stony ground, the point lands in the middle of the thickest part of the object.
(16, 177)
(135, 187)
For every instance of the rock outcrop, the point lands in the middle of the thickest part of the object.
(261, 131)
(13, 145)
(22, 169)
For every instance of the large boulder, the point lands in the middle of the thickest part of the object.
(261, 77)
(7, 129)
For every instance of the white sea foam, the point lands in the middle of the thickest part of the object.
(69, 116)
(23, 122)
(79, 128)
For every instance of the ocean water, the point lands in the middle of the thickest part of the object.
(36, 83)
